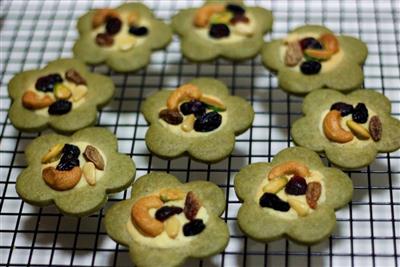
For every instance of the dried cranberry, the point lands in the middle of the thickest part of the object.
(47, 83)
(138, 31)
(60, 107)
(219, 30)
(67, 165)
(193, 227)
(165, 212)
(272, 201)
(344, 108)
(310, 42)
(113, 25)
(195, 107)
(104, 39)
(360, 113)
(235, 9)
(310, 67)
(170, 116)
(208, 122)
(297, 185)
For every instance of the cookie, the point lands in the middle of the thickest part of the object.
(123, 37)
(76, 172)
(165, 222)
(294, 196)
(225, 29)
(199, 118)
(350, 129)
(64, 96)
(312, 57)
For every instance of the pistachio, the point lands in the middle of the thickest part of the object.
(169, 194)
(61, 180)
(188, 123)
(275, 185)
(172, 226)
(358, 130)
(298, 206)
(79, 92)
(53, 153)
(62, 92)
(93, 155)
(89, 172)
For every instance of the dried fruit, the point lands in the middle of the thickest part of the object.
(93, 155)
(113, 25)
(239, 19)
(53, 153)
(344, 108)
(272, 201)
(310, 67)
(32, 100)
(329, 42)
(293, 54)
(208, 122)
(79, 92)
(194, 227)
(138, 31)
(67, 164)
(61, 91)
(311, 43)
(171, 116)
(60, 107)
(69, 159)
(104, 40)
(188, 123)
(275, 185)
(192, 206)
(61, 180)
(195, 107)
(313, 194)
(235, 9)
(165, 212)
(219, 31)
(89, 172)
(71, 151)
(358, 130)
(73, 76)
(172, 226)
(297, 185)
(47, 83)
(298, 206)
(333, 129)
(360, 113)
(375, 128)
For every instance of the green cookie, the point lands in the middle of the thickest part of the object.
(265, 224)
(212, 240)
(100, 90)
(307, 131)
(130, 58)
(83, 199)
(207, 147)
(342, 72)
(197, 45)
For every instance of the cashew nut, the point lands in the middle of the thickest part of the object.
(330, 42)
(32, 100)
(61, 180)
(141, 216)
(186, 91)
(213, 101)
(101, 15)
(203, 14)
(289, 167)
(333, 130)
(133, 18)
(358, 130)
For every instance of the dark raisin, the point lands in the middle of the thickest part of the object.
(208, 122)
(344, 108)
(165, 212)
(171, 116)
(193, 227)
(60, 107)
(310, 42)
(297, 185)
(192, 206)
(138, 31)
(71, 150)
(69, 158)
(310, 67)
(239, 18)
(272, 201)
(74, 76)
(235, 9)
(113, 25)
(195, 107)
(67, 165)
(219, 31)
(47, 83)
(104, 39)
(360, 113)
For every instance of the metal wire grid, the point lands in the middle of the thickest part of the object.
(367, 234)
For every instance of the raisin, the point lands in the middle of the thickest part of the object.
(239, 18)
(47, 83)
(60, 107)
(195, 107)
(138, 31)
(193, 227)
(192, 206)
(310, 67)
(297, 185)
(235, 9)
(113, 25)
(104, 39)
(269, 200)
(360, 113)
(310, 42)
(67, 165)
(69, 158)
(208, 122)
(313, 194)
(219, 31)
(344, 108)
(165, 212)
(71, 150)
(74, 76)
(170, 116)
(375, 128)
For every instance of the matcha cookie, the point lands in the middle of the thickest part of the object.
(76, 172)
(351, 129)
(199, 118)
(64, 96)
(222, 28)
(294, 196)
(312, 57)
(166, 222)
(123, 37)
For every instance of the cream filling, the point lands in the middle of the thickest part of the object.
(163, 240)
(326, 66)
(291, 214)
(82, 146)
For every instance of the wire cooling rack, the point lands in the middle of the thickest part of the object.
(368, 229)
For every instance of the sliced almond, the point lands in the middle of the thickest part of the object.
(79, 92)
(245, 29)
(298, 206)
(89, 172)
(53, 153)
(172, 226)
(125, 42)
(188, 123)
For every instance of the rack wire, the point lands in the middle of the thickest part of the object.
(34, 32)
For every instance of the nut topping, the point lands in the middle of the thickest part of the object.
(313, 193)
(93, 155)
(192, 206)
(375, 128)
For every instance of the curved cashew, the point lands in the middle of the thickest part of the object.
(186, 91)
(100, 16)
(141, 216)
(330, 42)
(61, 180)
(213, 101)
(32, 100)
(203, 14)
(289, 167)
(333, 130)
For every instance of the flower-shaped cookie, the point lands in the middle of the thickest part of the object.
(312, 57)
(199, 118)
(64, 96)
(294, 196)
(351, 129)
(76, 172)
(123, 37)
(165, 222)
(222, 28)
